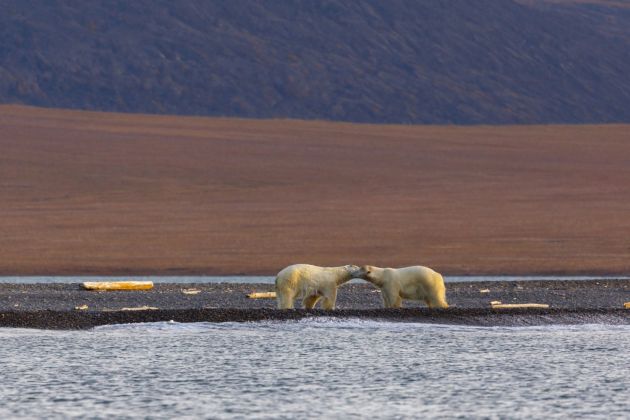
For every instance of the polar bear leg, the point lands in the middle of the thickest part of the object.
(330, 298)
(437, 302)
(309, 302)
(285, 299)
(385, 297)
(391, 297)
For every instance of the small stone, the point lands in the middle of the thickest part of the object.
(191, 291)
(140, 308)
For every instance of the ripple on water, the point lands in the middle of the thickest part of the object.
(316, 367)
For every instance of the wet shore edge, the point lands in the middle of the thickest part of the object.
(73, 320)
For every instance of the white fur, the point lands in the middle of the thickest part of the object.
(414, 283)
(311, 283)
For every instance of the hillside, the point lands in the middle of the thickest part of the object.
(395, 61)
(84, 192)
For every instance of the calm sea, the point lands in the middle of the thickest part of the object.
(321, 367)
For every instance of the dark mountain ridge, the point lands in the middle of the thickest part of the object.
(438, 62)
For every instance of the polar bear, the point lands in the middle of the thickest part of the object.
(311, 283)
(415, 283)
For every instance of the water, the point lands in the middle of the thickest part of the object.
(316, 368)
(267, 279)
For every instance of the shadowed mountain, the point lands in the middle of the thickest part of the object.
(438, 62)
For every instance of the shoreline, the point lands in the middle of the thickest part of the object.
(73, 320)
(52, 306)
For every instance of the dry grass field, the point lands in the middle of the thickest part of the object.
(98, 193)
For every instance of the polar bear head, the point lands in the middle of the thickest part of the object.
(353, 270)
(370, 273)
(366, 272)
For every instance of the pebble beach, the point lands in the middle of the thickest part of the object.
(69, 306)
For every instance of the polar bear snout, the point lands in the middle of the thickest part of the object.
(354, 271)
(363, 272)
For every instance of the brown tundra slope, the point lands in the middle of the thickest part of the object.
(97, 193)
